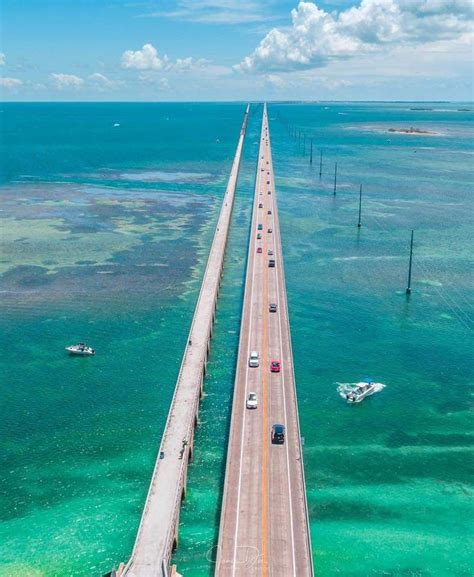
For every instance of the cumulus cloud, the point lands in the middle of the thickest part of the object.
(186, 64)
(2, 59)
(62, 81)
(145, 59)
(10, 82)
(317, 37)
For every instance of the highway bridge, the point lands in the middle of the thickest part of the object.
(264, 529)
(157, 534)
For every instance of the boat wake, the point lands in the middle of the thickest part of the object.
(356, 392)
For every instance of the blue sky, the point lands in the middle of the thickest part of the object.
(236, 50)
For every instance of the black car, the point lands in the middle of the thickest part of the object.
(271, 263)
(278, 435)
(273, 308)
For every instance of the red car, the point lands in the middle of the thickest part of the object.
(259, 249)
(275, 367)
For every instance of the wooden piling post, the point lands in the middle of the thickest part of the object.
(359, 224)
(408, 289)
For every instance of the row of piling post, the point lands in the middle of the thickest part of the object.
(294, 133)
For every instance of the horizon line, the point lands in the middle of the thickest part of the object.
(237, 101)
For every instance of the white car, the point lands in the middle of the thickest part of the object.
(253, 361)
(252, 402)
(270, 252)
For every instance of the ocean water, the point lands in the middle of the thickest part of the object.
(105, 232)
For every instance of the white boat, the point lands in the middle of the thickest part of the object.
(357, 392)
(80, 349)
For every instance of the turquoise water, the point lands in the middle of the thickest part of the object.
(105, 233)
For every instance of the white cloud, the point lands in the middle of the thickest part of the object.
(217, 11)
(2, 59)
(101, 81)
(151, 79)
(62, 81)
(10, 82)
(273, 81)
(316, 37)
(145, 59)
(96, 80)
(186, 64)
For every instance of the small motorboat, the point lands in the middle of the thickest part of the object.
(80, 349)
(357, 392)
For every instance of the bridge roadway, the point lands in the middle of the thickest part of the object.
(157, 533)
(264, 523)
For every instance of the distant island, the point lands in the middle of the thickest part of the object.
(412, 130)
(441, 109)
(408, 130)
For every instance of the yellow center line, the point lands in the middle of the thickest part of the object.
(265, 369)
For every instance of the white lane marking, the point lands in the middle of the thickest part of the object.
(251, 245)
(277, 272)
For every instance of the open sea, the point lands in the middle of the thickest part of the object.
(107, 217)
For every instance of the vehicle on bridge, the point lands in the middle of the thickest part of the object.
(259, 250)
(271, 263)
(259, 236)
(275, 367)
(272, 308)
(260, 227)
(270, 231)
(252, 402)
(260, 205)
(253, 360)
(270, 252)
(278, 434)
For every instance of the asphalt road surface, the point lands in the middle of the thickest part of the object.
(264, 528)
